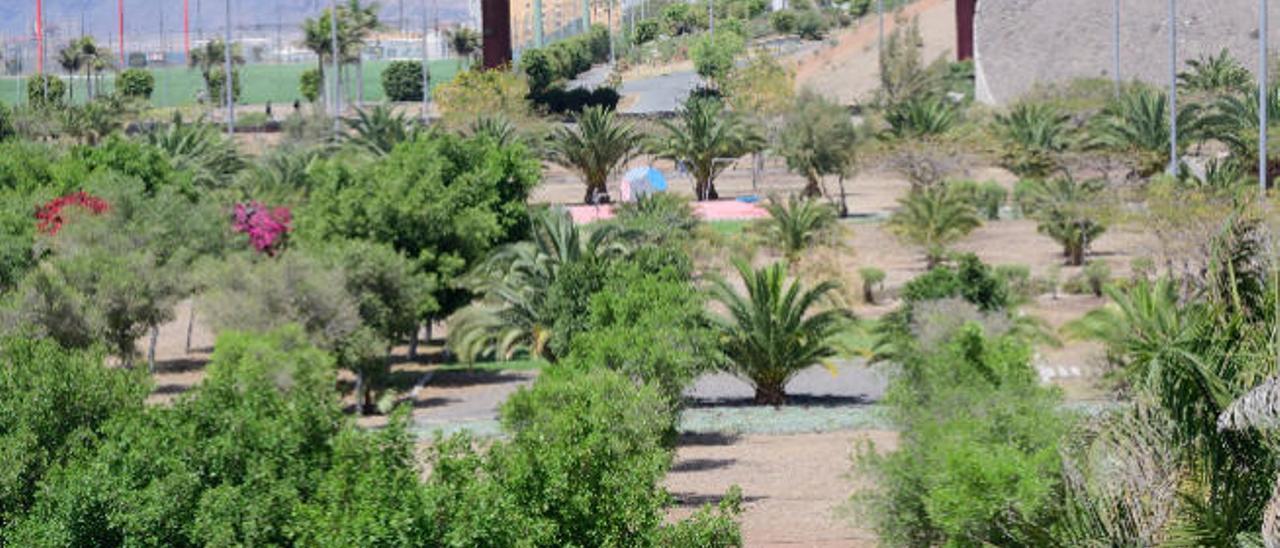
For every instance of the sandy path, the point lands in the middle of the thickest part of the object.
(848, 72)
(793, 486)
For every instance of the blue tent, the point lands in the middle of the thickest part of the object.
(639, 181)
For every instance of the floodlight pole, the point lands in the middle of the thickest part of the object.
(229, 83)
(426, 64)
(880, 14)
(337, 77)
(1173, 88)
(1263, 103)
(1115, 43)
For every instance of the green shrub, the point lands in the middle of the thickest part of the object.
(969, 279)
(811, 25)
(872, 278)
(402, 81)
(1017, 277)
(713, 56)
(536, 64)
(783, 21)
(1097, 274)
(986, 197)
(859, 8)
(309, 84)
(136, 83)
(217, 93)
(646, 31)
(46, 91)
(979, 458)
(679, 18)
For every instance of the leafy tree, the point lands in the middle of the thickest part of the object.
(783, 21)
(797, 224)
(597, 148)
(818, 141)
(679, 18)
(933, 218)
(136, 83)
(811, 25)
(646, 31)
(443, 200)
(311, 81)
(704, 137)
(379, 130)
(538, 69)
(770, 333)
(714, 54)
(402, 81)
(478, 93)
(53, 400)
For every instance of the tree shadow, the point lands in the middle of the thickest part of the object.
(702, 465)
(460, 378)
(434, 402)
(695, 500)
(797, 400)
(168, 389)
(693, 439)
(181, 365)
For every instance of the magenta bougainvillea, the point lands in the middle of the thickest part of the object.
(266, 227)
(49, 217)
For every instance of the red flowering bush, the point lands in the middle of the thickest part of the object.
(49, 216)
(266, 227)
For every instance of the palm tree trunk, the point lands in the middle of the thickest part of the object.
(770, 395)
(191, 322)
(359, 393)
(151, 349)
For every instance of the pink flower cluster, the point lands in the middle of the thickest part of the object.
(49, 216)
(266, 227)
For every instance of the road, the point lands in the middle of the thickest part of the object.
(658, 94)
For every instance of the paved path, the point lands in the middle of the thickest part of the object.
(853, 383)
(659, 93)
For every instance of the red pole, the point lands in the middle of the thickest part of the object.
(120, 22)
(40, 36)
(186, 26)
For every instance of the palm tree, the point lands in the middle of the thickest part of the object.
(70, 59)
(199, 148)
(596, 148)
(379, 130)
(933, 218)
(464, 41)
(1067, 212)
(1138, 123)
(496, 128)
(1214, 74)
(797, 224)
(363, 23)
(515, 280)
(704, 138)
(1033, 133)
(771, 333)
(93, 61)
(1233, 120)
(921, 117)
(1259, 408)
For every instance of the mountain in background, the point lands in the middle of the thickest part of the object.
(143, 17)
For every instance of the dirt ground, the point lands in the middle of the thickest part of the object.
(795, 487)
(848, 72)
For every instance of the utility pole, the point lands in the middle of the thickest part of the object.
(1263, 104)
(228, 83)
(120, 24)
(1115, 43)
(164, 57)
(1173, 87)
(426, 65)
(537, 23)
(880, 41)
(609, 23)
(337, 77)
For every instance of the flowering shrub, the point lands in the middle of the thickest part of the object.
(49, 216)
(266, 227)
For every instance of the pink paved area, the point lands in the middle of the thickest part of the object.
(720, 210)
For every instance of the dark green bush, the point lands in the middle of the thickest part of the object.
(783, 21)
(402, 81)
(136, 83)
(559, 101)
(969, 279)
(536, 64)
(46, 91)
(646, 31)
(811, 25)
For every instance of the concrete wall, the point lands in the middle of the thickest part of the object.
(1019, 43)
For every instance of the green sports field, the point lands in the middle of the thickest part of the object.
(177, 86)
